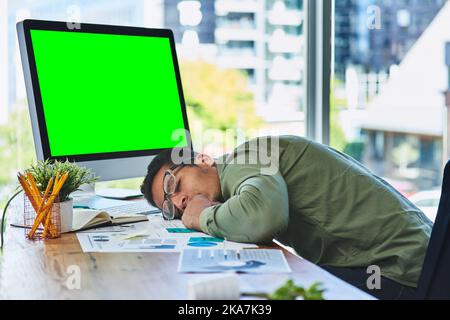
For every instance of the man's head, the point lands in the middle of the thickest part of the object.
(193, 175)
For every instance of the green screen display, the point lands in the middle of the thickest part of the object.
(106, 93)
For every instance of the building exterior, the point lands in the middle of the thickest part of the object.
(376, 34)
(262, 38)
(265, 39)
(390, 66)
(346, 35)
(408, 116)
(191, 20)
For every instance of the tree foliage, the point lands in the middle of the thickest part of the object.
(337, 135)
(16, 145)
(220, 98)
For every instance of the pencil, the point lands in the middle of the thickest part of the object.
(40, 214)
(61, 182)
(57, 179)
(56, 189)
(47, 221)
(48, 205)
(26, 189)
(34, 187)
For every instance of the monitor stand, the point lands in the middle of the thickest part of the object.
(88, 198)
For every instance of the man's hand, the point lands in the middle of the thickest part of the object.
(191, 215)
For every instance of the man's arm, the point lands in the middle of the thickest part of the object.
(258, 211)
(191, 215)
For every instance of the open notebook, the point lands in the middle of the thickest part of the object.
(88, 218)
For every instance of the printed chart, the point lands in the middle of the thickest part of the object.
(240, 261)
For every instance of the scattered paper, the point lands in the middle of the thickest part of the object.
(115, 242)
(240, 261)
(154, 235)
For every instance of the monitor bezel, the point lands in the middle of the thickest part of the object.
(45, 151)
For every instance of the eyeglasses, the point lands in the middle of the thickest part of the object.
(169, 210)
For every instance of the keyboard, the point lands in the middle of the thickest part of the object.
(133, 207)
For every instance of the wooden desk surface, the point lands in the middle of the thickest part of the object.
(40, 270)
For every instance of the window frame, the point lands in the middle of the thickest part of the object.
(318, 68)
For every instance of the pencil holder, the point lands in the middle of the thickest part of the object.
(49, 226)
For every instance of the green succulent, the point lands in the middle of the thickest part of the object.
(42, 171)
(289, 291)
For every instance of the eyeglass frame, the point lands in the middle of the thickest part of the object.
(167, 195)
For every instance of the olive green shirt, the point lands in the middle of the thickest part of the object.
(324, 204)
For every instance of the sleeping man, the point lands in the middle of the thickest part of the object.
(322, 203)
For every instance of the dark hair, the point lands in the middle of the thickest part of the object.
(165, 158)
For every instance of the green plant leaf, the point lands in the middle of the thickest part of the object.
(289, 291)
(43, 171)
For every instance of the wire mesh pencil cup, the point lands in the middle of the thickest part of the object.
(52, 220)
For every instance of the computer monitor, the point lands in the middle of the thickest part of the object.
(106, 97)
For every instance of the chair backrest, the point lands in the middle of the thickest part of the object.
(434, 282)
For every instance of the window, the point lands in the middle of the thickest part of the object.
(427, 203)
(387, 101)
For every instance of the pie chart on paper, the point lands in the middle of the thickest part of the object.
(202, 244)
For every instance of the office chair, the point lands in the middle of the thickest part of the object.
(434, 282)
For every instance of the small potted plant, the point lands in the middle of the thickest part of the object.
(43, 171)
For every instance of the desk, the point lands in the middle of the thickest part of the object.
(38, 270)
